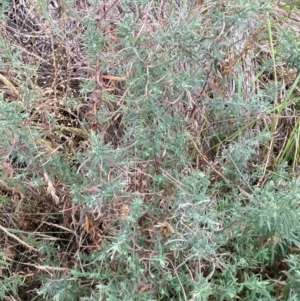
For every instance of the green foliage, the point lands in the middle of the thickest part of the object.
(154, 222)
(291, 290)
(4, 6)
(62, 289)
(9, 285)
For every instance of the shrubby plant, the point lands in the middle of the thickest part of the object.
(143, 152)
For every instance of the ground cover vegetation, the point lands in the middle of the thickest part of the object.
(149, 150)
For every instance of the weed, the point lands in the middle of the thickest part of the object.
(149, 151)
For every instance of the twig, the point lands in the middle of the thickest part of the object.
(5, 230)
(10, 86)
